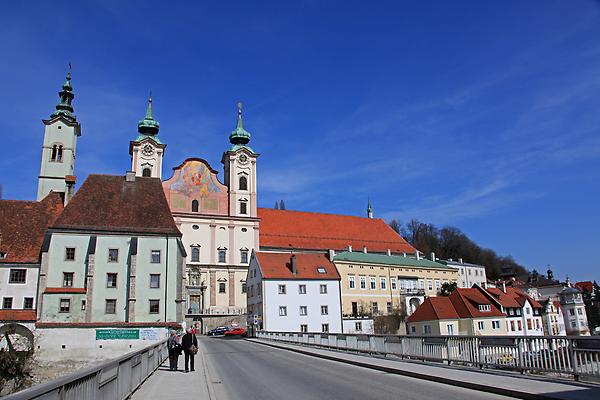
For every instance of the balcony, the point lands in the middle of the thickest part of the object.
(412, 292)
(215, 311)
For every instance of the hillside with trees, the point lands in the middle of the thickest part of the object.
(449, 242)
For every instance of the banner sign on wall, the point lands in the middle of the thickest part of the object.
(115, 334)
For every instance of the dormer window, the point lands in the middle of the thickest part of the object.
(485, 307)
(321, 270)
(2, 255)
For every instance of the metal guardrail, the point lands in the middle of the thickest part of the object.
(572, 355)
(114, 379)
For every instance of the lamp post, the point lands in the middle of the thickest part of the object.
(202, 289)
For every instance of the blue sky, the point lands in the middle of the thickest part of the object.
(481, 115)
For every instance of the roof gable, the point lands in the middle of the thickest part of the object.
(317, 231)
(467, 302)
(434, 308)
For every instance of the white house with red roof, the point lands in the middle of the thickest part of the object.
(294, 292)
(470, 311)
(523, 313)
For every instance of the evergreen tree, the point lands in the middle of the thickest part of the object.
(276, 205)
(281, 205)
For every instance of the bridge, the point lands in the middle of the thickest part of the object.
(280, 366)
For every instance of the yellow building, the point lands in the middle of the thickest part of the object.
(379, 284)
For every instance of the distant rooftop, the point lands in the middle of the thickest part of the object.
(360, 257)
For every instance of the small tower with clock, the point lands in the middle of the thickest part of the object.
(147, 150)
(239, 163)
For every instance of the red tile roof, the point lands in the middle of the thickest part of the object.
(467, 302)
(17, 315)
(316, 231)
(110, 203)
(434, 308)
(585, 286)
(513, 298)
(277, 266)
(23, 225)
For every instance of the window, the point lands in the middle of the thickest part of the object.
(485, 307)
(110, 307)
(194, 205)
(529, 325)
(437, 284)
(323, 289)
(154, 281)
(154, 306)
(321, 270)
(68, 279)
(244, 256)
(65, 305)
(426, 329)
(413, 329)
(7, 303)
(393, 283)
(429, 284)
(147, 172)
(324, 310)
(375, 307)
(244, 287)
(495, 325)
(17, 276)
(422, 284)
(512, 326)
(113, 255)
(282, 311)
(519, 325)
(383, 283)
(302, 289)
(222, 255)
(222, 287)
(243, 207)
(373, 282)
(281, 289)
(111, 280)
(389, 307)
(28, 303)
(528, 311)
(303, 310)
(70, 254)
(243, 183)
(571, 312)
(351, 282)
(155, 256)
(579, 311)
(363, 282)
(450, 328)
(195, 254)
(82, 305)
(358, 326)
(481, 325)
(325, 327)
(303, 328)
(511, 311)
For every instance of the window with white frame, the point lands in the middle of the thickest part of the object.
(323, 289)
(373, 282)
(17, 276)
(195, 254)
(325, 327)
(113, 255)
(358, 326)
(429, 284)
(363, 282)
(383, 283)
(393, 283)
(351, 282)
(281, 289)
(303, 328)
(155, 256)
(244, 256)
(302, 289)
(485, 307)
(282, 311)
(324, 310)
(495, 325)
(427, 329)
(481, 325)
(303, 310)
(222, 255)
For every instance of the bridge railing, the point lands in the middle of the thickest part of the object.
(572, 355)
(114, 379)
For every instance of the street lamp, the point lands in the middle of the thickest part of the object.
(202, 289)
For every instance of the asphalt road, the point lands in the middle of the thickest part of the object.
(240, 369)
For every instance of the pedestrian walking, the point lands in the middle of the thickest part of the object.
(174, 348)
(190, 348)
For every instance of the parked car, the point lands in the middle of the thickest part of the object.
(237, 331)
(218, 331)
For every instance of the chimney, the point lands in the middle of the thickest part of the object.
(389, 252)
(432, 255)
(365, 249)
(293, 266)
(418, 255)
(331, 254)
(460, 261)
(350, 248)
(129, 176)
(504, 286)
(70, 183)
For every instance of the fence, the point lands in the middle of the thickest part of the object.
(114, 379)
(571, 355)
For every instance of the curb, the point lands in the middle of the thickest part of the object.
(438, 379)
(209, 385)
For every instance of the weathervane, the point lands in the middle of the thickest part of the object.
(239, 107)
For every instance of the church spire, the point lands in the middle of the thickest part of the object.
(148, 125)
(369, 209)
(64, 107)
(239, 137)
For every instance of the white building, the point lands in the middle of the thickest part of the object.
(294, 293)
(574, 313)
(523, 313)
(470, 274)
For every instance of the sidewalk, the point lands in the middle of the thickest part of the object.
(166, 384)
(507, 384)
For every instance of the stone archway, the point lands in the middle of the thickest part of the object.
(16, 337)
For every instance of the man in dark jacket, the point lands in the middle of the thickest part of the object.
(174, 350)
(190, 348)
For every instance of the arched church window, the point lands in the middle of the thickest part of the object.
(243, 183)
(195, 254)
(194, 205)
(243, 207)
(147, 172)
(54, 153)
(59, 155)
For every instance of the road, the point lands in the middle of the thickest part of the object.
(240, 369)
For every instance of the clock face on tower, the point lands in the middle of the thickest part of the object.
(243, 159)
(148, 149)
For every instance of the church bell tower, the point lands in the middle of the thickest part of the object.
(60, 142)
(147, 150)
